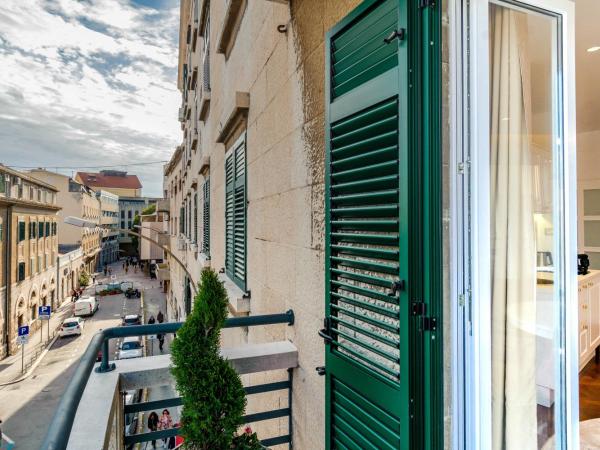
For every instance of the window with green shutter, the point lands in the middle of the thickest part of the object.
(47, 228)
(21, 231)
(235, 213)
(21, 270)
(40, 230)
(195, 236)
(2, 184)
(206, 218)
(181, 219)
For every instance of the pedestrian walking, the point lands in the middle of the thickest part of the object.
(105, 270)
(94, 279)
(151, 320)
(126, 269)
(160, 318)
(161, 341)
(123, 266)
(165, 423)
(153, 425)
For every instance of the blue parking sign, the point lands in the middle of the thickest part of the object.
(44, 311)
(24, 330)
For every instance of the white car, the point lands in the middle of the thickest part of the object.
(131, 347)
(73, 326)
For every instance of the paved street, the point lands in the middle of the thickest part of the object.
(28, 406)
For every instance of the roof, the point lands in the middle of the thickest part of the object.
(112, 179)
(27, 177)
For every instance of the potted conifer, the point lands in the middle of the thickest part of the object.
(213, 396)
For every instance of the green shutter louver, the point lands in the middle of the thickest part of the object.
(364, 237)
(181, 219)
(2, 184)
(21, 272)
(40, 229)
(359, 53)
(195, 237)
(206, 218)
(47, 229)
(21, 231)
(235, 213)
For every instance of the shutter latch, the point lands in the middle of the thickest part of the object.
(324, 333)
(395, 34)
(427, 323)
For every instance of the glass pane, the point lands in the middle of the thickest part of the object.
(594, 260)
(523, 239)
(591, 202)
(591, 233)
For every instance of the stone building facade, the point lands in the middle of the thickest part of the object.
(28, 252)
(109, 222)
(252, 117)
(77, 200)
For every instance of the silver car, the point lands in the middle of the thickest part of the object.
(131, 347)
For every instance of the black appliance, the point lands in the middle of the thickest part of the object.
(583, 264)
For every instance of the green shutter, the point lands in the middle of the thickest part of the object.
(181, 219)
(366, 264)
(2, 184)
(47, 228)
(195, 237)
(206, 218)
(40, 229)
(235, 213)
(21, 271)
(21, 231)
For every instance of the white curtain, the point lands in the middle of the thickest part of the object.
(513, 261)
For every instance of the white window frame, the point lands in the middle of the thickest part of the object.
(469, 213)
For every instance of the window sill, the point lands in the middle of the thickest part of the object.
(239, 304)
(231, 26)
(204, 260)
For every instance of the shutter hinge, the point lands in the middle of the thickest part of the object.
(399, 34)
(427, 3)
(427, 323)
(463, 166)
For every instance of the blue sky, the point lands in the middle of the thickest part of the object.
(89, 82)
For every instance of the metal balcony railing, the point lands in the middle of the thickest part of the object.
(61, 426)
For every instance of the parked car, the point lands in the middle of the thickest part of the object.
(131, 319)
(133, 293)
(131, 347)
(86, 306)
(131, 420)
(73, 326)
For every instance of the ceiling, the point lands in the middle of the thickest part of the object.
(587, 34)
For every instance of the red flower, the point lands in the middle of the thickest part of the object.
(248, 430)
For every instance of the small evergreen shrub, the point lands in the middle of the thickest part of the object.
(213, 396)
(84, 279)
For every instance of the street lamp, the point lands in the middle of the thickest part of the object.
(82, 223)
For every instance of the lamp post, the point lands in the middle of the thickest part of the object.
(82, 223)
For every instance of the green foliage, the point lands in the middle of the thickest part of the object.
(149, 210)
(213, 396)
(84, 279)
(247, 441)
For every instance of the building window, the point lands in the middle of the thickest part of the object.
(129, 214)
(206, 218)
(122, 214)
(47, 228)
(122, 223)
(21, 231)
(2, 184)
(195, 236)
(40, 229)
(21, 271)
(235, 213)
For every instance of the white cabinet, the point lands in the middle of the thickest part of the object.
(589, 316)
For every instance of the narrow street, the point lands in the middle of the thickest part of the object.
(28, 406)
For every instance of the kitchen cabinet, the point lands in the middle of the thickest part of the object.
(589, 316)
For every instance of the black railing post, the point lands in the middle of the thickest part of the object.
(105, 366)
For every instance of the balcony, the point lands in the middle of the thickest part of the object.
(163, 205)
(164, 239)
(92, 411)
(181, 115)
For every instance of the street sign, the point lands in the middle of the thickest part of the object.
(24, 330)
(44, 312)
(23, 339)
(152, 337)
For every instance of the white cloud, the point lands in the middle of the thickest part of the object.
(88, 82)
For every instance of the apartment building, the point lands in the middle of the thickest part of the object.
(28, 252)
(115, 181)
(77, 200)
(109, 222)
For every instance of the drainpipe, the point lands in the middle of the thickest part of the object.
(7, 278)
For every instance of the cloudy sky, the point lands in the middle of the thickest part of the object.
(89, 83)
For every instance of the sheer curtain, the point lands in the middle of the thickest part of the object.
(513, 257)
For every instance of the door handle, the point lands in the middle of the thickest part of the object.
(324, 332)
(320, 370)
(326, 337)
(399, 34)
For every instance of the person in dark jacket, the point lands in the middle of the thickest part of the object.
(153, 424)
(160, 317)
(151, 320)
